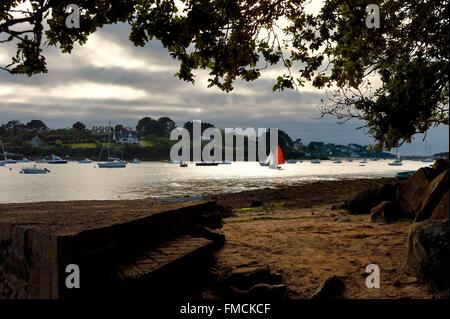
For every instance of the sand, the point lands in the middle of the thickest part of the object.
(299, 232)
(307, 242)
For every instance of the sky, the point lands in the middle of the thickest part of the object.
(108, 79)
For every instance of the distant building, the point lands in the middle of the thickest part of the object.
(127, 137)
(100, 130)
(37, 142)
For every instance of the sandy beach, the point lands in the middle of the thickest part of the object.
(301, 232)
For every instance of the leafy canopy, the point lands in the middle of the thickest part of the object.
(407, 57)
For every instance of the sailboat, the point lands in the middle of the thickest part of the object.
(429, 158)
(397, 162)
(111, 162)
(57, 160)
(6, 160)
(276, 158)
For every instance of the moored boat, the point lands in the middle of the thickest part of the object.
(111, 161)
(34, 170)
(397, 162)
(404, 175)
(112, 164)
(57, 160)
(276, 158)
(85, 161)
(207, 164)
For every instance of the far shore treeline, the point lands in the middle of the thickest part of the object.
(149, 140)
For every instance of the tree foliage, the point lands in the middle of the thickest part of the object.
(161, 127)
(394, 78)
(79, 126)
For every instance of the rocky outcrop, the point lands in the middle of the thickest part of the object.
(368, 199)
(433, 196)
(412, 192)
(428, 252)
(386, 212)
(441, 165)
(428, 242)
(425, 199)
(441, 210)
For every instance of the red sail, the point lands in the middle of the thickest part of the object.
(280, 156)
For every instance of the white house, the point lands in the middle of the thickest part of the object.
(127, 137)
(37, 142)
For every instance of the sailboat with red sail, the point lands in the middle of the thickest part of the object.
(276, 159)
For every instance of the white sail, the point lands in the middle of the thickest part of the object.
(273, 161)
(269, 158)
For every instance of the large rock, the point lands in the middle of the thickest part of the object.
(366, 200)
(441, 165)
(412, 192)
(441, 210)
(428, 252)
(386, 212)
(433, 197)
(332, 287)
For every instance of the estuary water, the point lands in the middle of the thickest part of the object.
(74, 181)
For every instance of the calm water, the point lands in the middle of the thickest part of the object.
(86, 182)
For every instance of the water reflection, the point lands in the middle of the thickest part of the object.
(86, 182)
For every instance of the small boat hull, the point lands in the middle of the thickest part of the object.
(404, 175)
(395, 164)
(112, 165)
(34, 171)
(58, 162)
(207, 164)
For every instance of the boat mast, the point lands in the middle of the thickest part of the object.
(109, 136)
(3, 150)
(121, 140)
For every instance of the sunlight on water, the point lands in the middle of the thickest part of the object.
(86, 182)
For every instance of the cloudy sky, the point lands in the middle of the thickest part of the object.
(110, 79)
